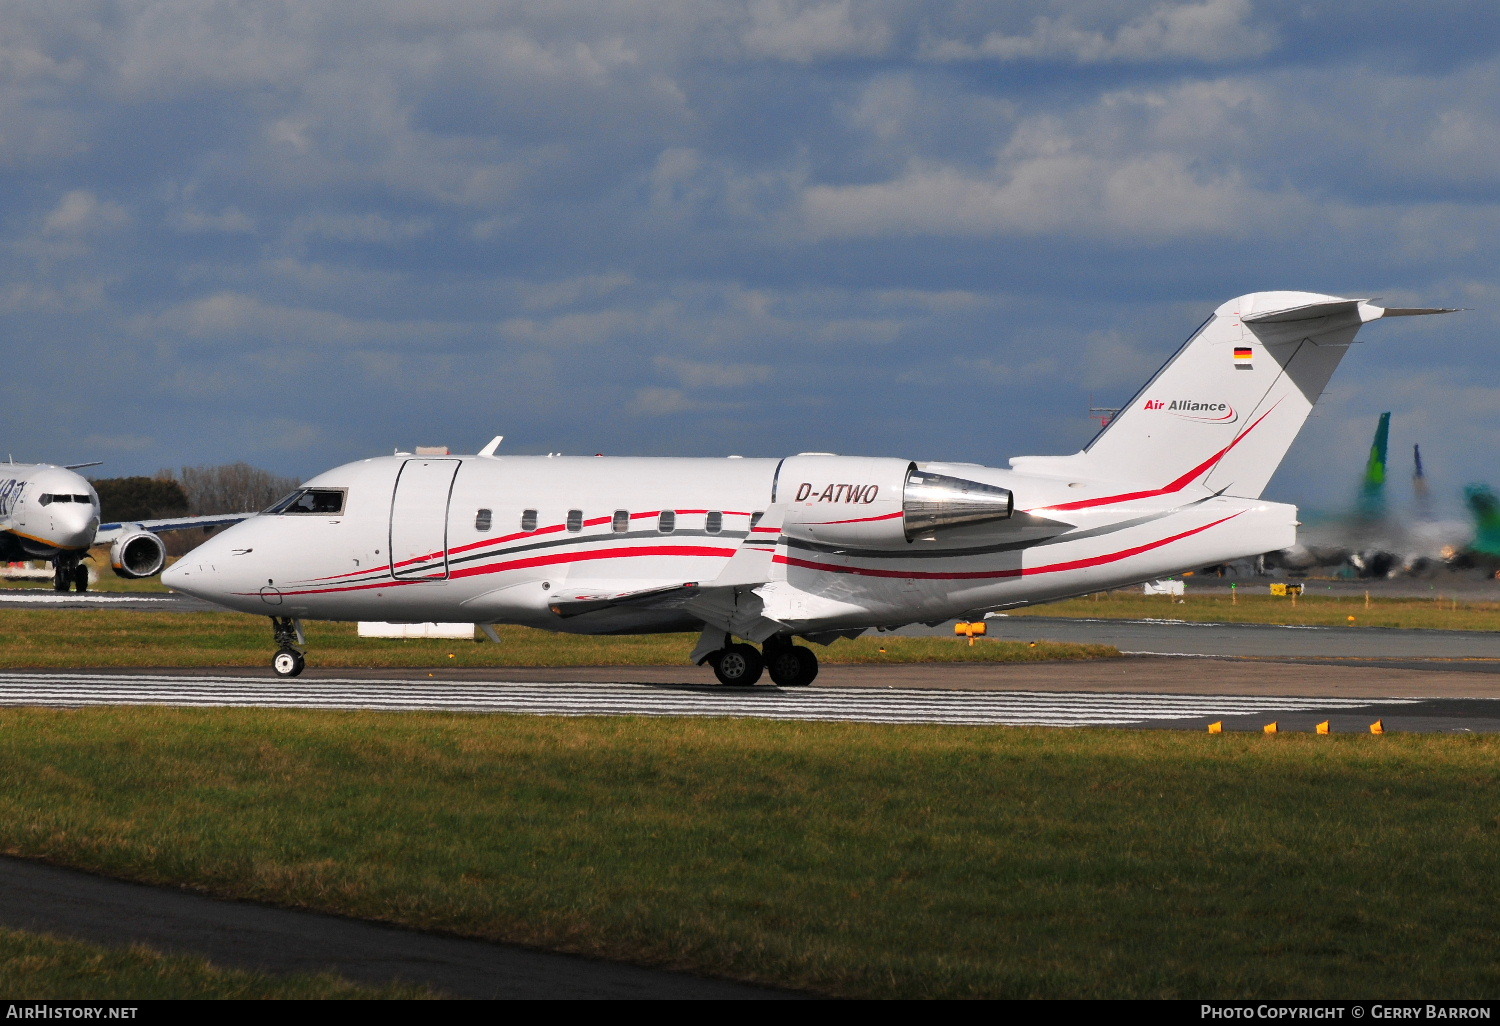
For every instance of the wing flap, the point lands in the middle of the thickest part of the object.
(579, 597)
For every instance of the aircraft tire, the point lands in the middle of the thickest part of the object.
(792, 666)
(60, 581)
(738, 666)
(80, 579)
(288, 662)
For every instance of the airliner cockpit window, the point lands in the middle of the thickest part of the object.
(314, 501)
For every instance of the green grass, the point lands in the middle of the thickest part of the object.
(38, 966)
(847, 859)
(116, 637)
(1311, 609)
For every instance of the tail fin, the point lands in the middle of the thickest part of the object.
(1225, 409)
(1372, 486)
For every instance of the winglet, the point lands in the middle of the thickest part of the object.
(493, 447)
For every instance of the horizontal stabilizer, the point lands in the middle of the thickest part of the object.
(583, 597)
(1367, 310)
(1418, 311)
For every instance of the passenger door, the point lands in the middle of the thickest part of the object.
(419, 519)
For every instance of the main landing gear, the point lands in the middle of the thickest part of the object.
(288, 660)
(790, 665)
(70, 574)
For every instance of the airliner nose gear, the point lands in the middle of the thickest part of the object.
(69, 574)
(289, 659)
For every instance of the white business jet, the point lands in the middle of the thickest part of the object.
(52, 513)
(814, 546)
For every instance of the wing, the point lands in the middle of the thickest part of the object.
(109, 532)
(579, 597)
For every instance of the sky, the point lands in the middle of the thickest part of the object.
(298, 234)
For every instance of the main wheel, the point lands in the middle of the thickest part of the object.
(792, 666)
(738, 665)
(80, 578)
(288, 662)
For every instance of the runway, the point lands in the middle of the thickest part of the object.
(154, 602)
(1011, 707)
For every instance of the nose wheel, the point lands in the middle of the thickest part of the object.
(289, 659)
(69, 575)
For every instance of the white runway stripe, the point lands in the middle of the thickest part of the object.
(886, 705)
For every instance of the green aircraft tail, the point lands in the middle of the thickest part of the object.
(1372, 489)
(1486, 509)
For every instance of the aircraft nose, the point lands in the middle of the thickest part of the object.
(178, 575)
(75, 526)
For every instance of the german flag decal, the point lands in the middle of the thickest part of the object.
(1242, 358)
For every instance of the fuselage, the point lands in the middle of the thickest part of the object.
(500, 539)
(45, 511)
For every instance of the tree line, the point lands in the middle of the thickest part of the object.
(188, 492)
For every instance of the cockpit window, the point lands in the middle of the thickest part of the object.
(327, 502)
(48, 498)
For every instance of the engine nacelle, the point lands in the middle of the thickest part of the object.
(137, 553)
(882, 503)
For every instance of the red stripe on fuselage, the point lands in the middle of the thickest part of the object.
(979, 575)
(1176, 486)
(550, 559)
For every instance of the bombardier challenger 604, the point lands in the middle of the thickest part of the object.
(754, 555)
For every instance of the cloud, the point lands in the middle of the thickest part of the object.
(80, 213)
(1211, 32)
(800, 32)
(694, 374)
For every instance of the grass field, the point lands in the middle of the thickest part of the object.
(121, 638)
(37, 966)
(846, 859)
(1311, 609)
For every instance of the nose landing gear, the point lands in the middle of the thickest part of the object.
(69, 574)
(289, 659)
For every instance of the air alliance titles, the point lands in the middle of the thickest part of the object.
(1186, 406)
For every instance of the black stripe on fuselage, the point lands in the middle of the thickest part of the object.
(987, 550)
(416, 570)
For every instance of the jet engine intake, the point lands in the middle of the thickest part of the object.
(137, 553)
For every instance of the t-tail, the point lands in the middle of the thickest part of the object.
(1226, 408)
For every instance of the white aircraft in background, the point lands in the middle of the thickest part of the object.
(52, 513)
(814, 546)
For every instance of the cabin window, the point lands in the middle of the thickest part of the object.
(528, 520)
(715, 522)
(666, 523)
(620, 522)
(755, 518)
(312, 501)
(482, 520)
(575, 520)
